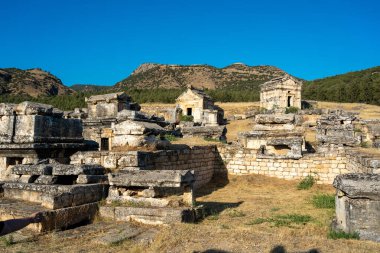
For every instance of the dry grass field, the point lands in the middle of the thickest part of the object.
(249, 214)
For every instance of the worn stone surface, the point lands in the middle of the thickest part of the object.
(359, 185)
(36, 169)
(152, 216)
(337, 127)
(358, 204)
(155, 178)
(74, 169)
(213, 132)
(46, 179)
(55, 196)
(92, 179)
(119, 234)
(52, 219)
(274, 118)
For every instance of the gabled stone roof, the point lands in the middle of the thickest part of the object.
(275, 82)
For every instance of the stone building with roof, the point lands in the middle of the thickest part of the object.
(196, 103)
(280, 93)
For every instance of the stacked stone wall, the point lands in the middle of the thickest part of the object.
(202, 160)
(324, 167)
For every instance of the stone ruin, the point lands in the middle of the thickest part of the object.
(207, 118)
(113, 120)
(151, 197)
(65, 194)
(358, 205)
(337, 127)
(275, 136)
(32, 131)
(280, 93)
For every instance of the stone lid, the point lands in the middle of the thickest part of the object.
(359, 185)
(108, 97)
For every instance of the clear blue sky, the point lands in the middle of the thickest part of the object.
(102, 42)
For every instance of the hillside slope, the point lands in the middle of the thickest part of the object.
(360, 86)
(235, 76)
(32, 82)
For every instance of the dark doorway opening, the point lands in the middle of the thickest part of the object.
(290, 101)
(104, 144)
(189, 111)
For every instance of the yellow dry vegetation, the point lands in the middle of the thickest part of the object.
(243, 216)
(365, 111)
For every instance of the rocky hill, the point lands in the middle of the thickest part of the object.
(32, 82)
(238, 75)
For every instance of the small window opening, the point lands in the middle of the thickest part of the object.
(189, 111)
(104, 144)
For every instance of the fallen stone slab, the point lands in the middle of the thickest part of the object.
(37, 169)
(149, 215)
(77, 169)
(274, 118)
(92, 179)
(52, 219)
(152, 178)
(46, 179)
(56, 196)
(118, 235)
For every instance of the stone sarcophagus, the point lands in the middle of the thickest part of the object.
(65, 194)
(32, 131)
(151, 196)
(358, 204)
(337, 127)
(30, 122)
(275, 136)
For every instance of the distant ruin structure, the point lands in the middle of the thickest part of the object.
(201, 107)
(113, 120)
(280, 93)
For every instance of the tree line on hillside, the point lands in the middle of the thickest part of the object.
(360, 87)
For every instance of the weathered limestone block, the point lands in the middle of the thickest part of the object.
(46, 179)
(55, 196)
(214, 132)
(274, 118)
(52, 219)
(35, 169)
(91, 179)
(130, 127)
(151, 216)
(358, 204)
(32, 108)
(75, 169)
(359, 185)
(49, 129)
(154, 178)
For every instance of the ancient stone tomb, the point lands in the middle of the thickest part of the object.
(358, 204)
(65, 194)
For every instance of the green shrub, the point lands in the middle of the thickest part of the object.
(365, 144)
(323, 201)
(188, 118)
(291, 109)
(306, 183)
(342, 235)
(283, 220)
(170, 137)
